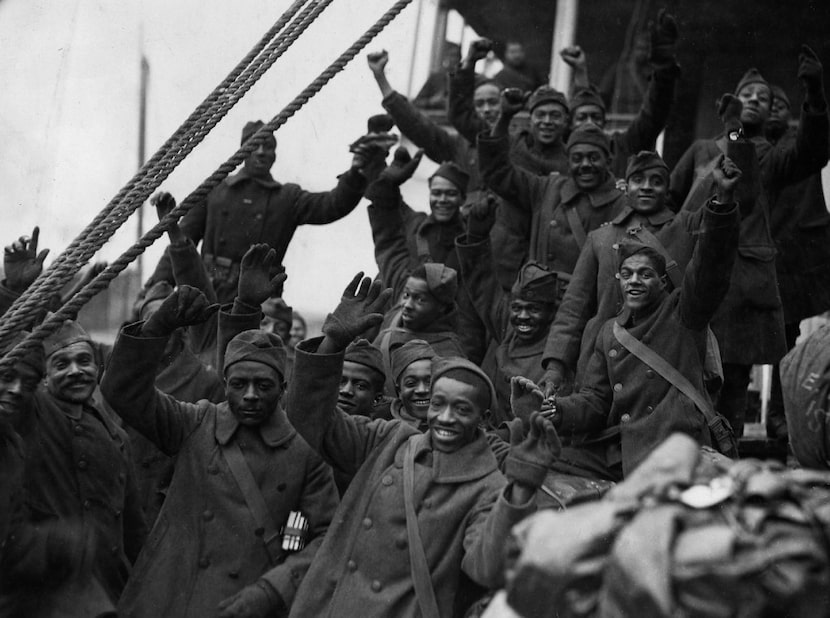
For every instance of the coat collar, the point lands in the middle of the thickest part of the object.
(471, 462)
(275, 431)
(606, 193)
(656, 219)
(243, 175)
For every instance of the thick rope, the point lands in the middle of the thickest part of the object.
(75, 255)
(62, 272)
(102, 280)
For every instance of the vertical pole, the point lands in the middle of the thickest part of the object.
(439, 35)
(415, 38)
(142, 147)
(564, 35)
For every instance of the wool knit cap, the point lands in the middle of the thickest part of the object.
(276, 309)
(33, 357)
(629, 248)
(69, 332)
(778, 93)
(586, 96)
(546, 94)
(454, 174)
(482, 80)
(157, 292)
(250, 128)
(258, 346)
(535, 283)
(364, 353)
(442, 281)
(645, 160)
(413, 350)
(753, 76)
(459, 368)
(590, 134)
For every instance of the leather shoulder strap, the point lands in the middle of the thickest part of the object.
(576, 226)
(664, 368)
(417, 559)
(253, 498)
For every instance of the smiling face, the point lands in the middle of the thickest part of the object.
(757, 100)
(253, 391)
(360, 386)
(531, 320)
(419, 308)
(640, 282)
(648, 189)
(71, 373)
(445, 198)
(259, 162)
(17, 388)
(588, 166)
(413, 387)
(455, 411)
(588, 114)
(487, 103)
(548, 122)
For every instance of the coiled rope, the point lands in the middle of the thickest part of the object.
(102, 280)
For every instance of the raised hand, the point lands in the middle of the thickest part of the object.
(481, 217)
(255, 282)
(164, 202)
(555, 380)
(360, 308)
(530, 458)
(184, 307)
(726, 175)
(22, 262)
(378, 61)
(664, 34)
(478, 50)
(574, 57)
(729, 109)
(810, 72)
(403, 166)
(525, 398)
(513, 101)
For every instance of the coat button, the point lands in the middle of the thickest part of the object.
(87, 504)
(367, 523)
(649, 409)
(376, 586)
(387, 480)
(617, 387)
(649, 373)
(118, 512)
(258, 217)
(82, 464)
(234, 574)
(78, 430)
(554, 223)
(625, 418)
(352, 565)
(114, 550)
(207, 515)
(204, 563)
(400, 543)
(612, 353)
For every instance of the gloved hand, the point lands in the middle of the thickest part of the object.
(478, 51)
(259, 600)
(525, 398)
(255, 282)
(380, 123)
(810, 73)
(729, 109)
(555, 381)
(184, 307)
(726, 175)
(22, 263)
(370, 153)
(481, 217)
(574, 57)
(361, 308)
(529, 459)
(664, 35)
(402, 168)
(164, 202)
(513, 101)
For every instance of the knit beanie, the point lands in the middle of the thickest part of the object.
(590, 134)
(546, 94)
(586, 96)
(413, 350)
(454, 174)
(465, 371)
(257, 346)
(364, 353)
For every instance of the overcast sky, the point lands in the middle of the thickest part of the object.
(68, 121)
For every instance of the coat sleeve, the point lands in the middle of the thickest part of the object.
(579, 305)
(386, 221)
(461, 111)
(510, 182)
(329, 206)
(128, 386)
(803, 157)
(438, 145)
(135, 524)
(709, 272)
(318, 503)
(477, 272)
(194, 221)
(650, 121)
(683, 176)
(343, 441)
(188, 269)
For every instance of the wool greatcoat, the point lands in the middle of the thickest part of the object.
(545, 201)
(363, 568)
(624, 408)
(594, 296)
(750, 323)
(205, 545)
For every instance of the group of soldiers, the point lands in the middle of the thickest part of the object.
(564, 305)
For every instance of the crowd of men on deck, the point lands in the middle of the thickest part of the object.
(564, 304)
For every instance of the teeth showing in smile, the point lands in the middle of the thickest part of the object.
(420, 402)
(443, 433)
(523, 328)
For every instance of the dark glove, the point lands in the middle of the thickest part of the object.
(361, 308)
(529, 459)
(259, 600)
(481, 217)
(555, 380)
(22, 263)
(729, 111)
(664, 35)
(479, 50)
(380, 123)
(810, 72)
(525, 399)
(402, 168)
(255, 282)
(184, 307)
(513, 101)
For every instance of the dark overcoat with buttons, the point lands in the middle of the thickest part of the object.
(620, 391)
(545, 201)
(205, 545)
(363, 567)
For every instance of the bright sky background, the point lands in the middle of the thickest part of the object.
(69, 129)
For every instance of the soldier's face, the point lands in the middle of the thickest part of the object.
(530, 320)
(640, 282)
(588, 114)
(445, 198)
(548, 122)
(17, 387)
(419, 308)
(455, 412)
(259, 162)
(648, 189)
(359, 389)
(71, 373)
(487, 103)
(413, 387)
(757, 100)
(253, 391)
(588, 166)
